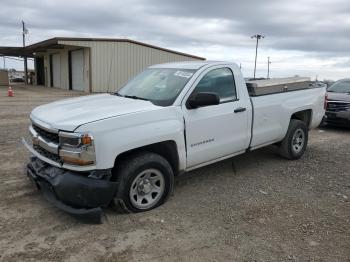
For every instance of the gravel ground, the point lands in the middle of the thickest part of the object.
(255, 207)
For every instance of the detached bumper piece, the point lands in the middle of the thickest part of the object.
(73, 192)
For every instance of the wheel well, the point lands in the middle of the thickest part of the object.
(166, 149)
(304, 116)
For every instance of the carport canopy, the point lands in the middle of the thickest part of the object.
(30, 50)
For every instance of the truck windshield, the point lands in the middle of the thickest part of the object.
(340, 87)
(161, 86)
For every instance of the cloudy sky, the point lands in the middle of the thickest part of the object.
(303, 37)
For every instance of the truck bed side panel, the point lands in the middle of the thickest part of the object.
(272, 113)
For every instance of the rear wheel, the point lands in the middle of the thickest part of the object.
(145, 181)
(294, 144)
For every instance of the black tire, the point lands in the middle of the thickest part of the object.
(126, 173)
(290, 148)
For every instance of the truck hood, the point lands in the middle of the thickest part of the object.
(338, 96)
(71, 113)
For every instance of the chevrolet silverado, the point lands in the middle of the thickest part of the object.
(125, 148)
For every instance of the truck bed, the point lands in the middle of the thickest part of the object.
(272, 113)
(277, 85)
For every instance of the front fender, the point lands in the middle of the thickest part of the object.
(117, 135)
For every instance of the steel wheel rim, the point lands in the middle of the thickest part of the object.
(298, 140)
(147, 189)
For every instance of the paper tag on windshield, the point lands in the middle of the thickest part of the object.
(183, 74)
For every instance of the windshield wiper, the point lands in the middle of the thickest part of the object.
(132, 97)
(117, 94)
(136, 97)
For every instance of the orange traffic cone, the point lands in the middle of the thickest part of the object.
(10, 91)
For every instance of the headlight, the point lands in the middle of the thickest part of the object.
(77, 148)
(75, 139)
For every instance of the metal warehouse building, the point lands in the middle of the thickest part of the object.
(92, 64)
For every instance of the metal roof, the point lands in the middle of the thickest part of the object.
(54, 43)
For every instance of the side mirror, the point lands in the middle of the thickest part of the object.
(204, 99)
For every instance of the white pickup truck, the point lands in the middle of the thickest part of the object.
(125, 148)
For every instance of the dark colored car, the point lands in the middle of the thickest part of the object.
(338, 104)
(17, 80)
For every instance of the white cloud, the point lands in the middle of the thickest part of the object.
(304, 37)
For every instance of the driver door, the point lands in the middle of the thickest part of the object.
(216, 131)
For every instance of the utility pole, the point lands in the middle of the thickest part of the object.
(258, 37)
(24, 32)
(4, 62)
(268, 67)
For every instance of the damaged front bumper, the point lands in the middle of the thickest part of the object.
(82, 194)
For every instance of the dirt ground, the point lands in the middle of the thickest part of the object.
(255, 207)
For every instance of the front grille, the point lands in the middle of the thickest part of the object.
(338, 106)
(50, 136)
(46, 153)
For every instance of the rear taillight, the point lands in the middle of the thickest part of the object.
(325, 101)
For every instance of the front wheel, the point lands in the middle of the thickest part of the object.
(294, 143)
(145, 181)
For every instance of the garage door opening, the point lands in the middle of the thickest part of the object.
(40, 70)
(76, 65)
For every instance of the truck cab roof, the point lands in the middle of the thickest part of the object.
(189, 64)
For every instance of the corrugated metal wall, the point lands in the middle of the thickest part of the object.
(64, 66)
(114, 63)
(64, 81)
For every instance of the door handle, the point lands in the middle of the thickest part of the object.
(240, 109)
